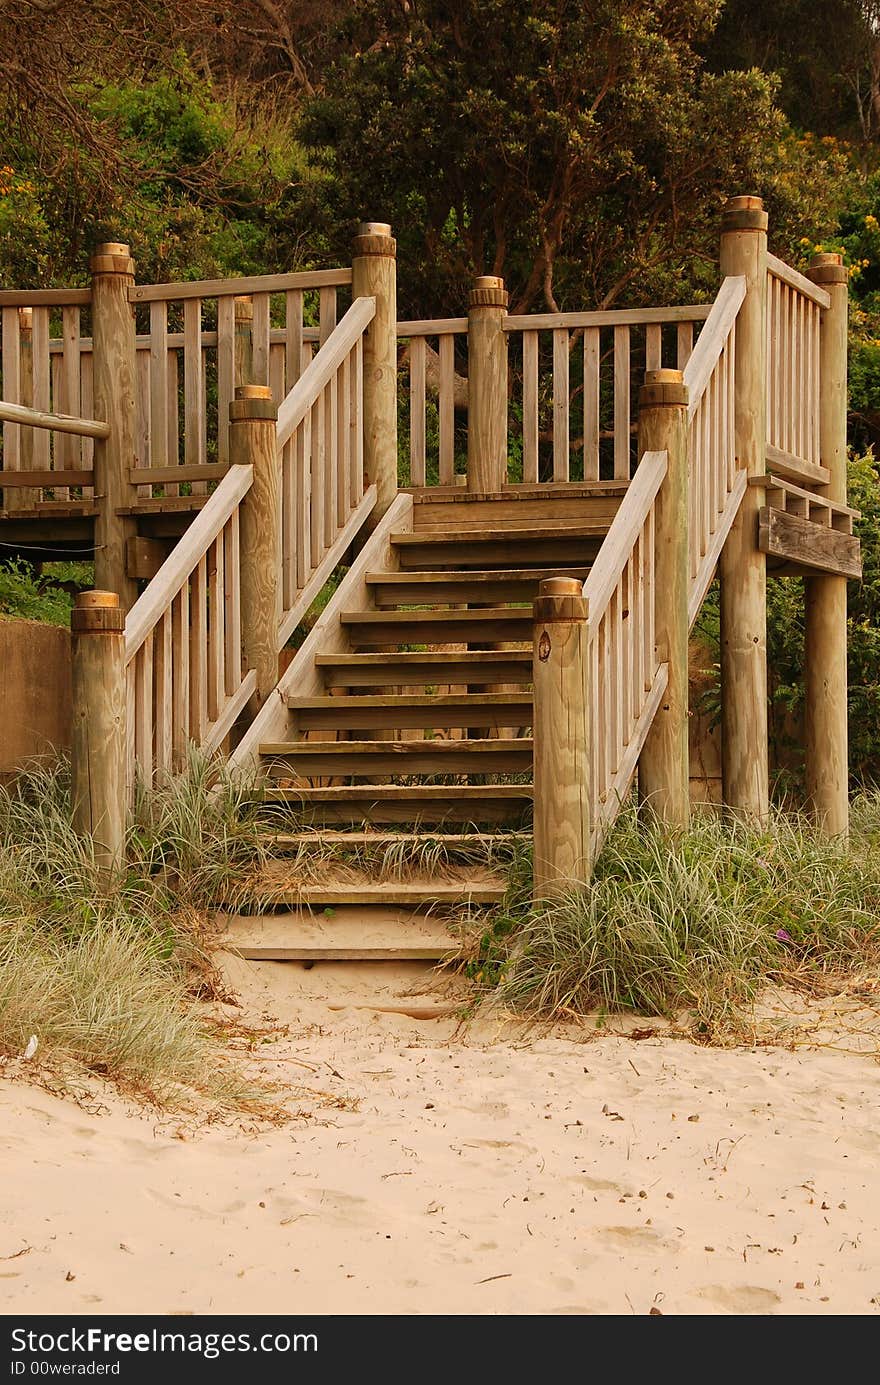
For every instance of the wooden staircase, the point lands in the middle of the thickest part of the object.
(399, 779)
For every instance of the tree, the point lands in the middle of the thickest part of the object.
(579, 149)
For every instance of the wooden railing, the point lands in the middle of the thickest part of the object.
(625, 680)
(43, 367)
(183, 641)
(320, 441)
(431, 372)
(715, 484)
(794, 307)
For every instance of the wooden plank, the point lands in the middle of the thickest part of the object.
(293, 337)
(164, 722)
(813, 547)
(45, 298)
(144, 557)
(143, 423)
(612, 317)
(180, 658)
(712, 338)
(192, 382)
(41, 381)
(560, 405)
(796, 469)
(216, 630)
(653, 346)
(173, 446)
(621, 403)
(366, 758)
(68, 451)
(143, 709)
(232, 594)
(684, 344)
(317, 373)
(198, 652)
(446, 406)
(302, 489)
(56, 423)
(705, 568)
(260, 358)
(44, 478)
(11, 410)
(417, 403)
(432, 327)
(160, 401)
(162, 475)
(232, 709)
(216, 288)
(225, 372)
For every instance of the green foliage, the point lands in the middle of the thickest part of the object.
(22, 595)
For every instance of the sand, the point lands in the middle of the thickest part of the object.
(481, 1171)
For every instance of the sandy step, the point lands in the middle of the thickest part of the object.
(400, 711)
(351, 934)
(354, 759)
(409, 804)
(428, 669)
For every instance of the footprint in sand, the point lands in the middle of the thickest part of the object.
(597, 1185)
(634, 1238)
(746, 1299)
(345, 1209)
(177, 1203)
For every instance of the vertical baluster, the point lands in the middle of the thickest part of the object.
(343, 442)
(792, 369)
(293, 337)
(302, 488)
(87, 394)
(12, 443)
(216, 629)
(143, 702)
(326, 313)
(225, 372)
(446, 405)
(627, 688)
(164, 721)
(232, 595)
(603, 718)
(684, 344)
(193, 399)
(637, 616)
(180, 675)
(70, 374)
(331, 445)
(731, 408)
(560, 404)
(143, 417)
(591, 404)
(621, 404)
(650, 603)
(417, 410)
(653, 346)
(288, 525)
(596, 739)
(357, 423)
(173, 418)
(276, 370)
(261, 339)
(530, 408)
(705, 519)
(198, 646)
(130, 704)
(815, 455)
(42, 391)
(318, 479)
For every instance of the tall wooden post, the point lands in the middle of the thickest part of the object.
(243, 309)
(97, 753)
(561, 738)
(825, 671)
(664, 771)
(487, 385)
(114, 366)
(374, 275)
(24, 497)
(742, 567)
(252, 418)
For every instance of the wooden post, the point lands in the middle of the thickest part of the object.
(252, 418)
(487, 385)
(664, 771)
(825, 667)
(114, 366)
(97, 755)
(561, 738)
(243, 309)
(742, 567)
(374, 275)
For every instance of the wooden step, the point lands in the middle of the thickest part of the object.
(452, 842)
(543, 546)
(500, 623)
(412, 804)
(372, 933)
(415, 894)
(466, 510)
(355, 759)
(408, 711)
(428, 669)
(462, 588)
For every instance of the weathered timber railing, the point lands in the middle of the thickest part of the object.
(431, 371)
(626, 679)
(320, 442)
(715, 484)
(794, 307)
(183, 641)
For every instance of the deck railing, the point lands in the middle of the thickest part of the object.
(793, 307)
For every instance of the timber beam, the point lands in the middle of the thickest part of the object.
(805, 547)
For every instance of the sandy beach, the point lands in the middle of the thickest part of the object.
(435, 1168)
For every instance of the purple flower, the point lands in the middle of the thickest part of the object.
(782, 936)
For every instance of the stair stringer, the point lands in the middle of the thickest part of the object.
(328, 636)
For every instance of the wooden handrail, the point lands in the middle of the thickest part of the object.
(625, 528)
(45, 298)
(611, 317)
(432, 327)
(321, 369)
(698, 371)
(56, 423)
(152, 604)
(798, 281)
(224, 288)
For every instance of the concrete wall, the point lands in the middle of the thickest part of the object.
(34, 692)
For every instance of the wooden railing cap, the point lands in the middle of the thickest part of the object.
(488, 292)
(560, 599)
(663, 387)
(827, 267)
(113, 257)
(374, 238)
(744, 214)
(97, 613)
(252, 402)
